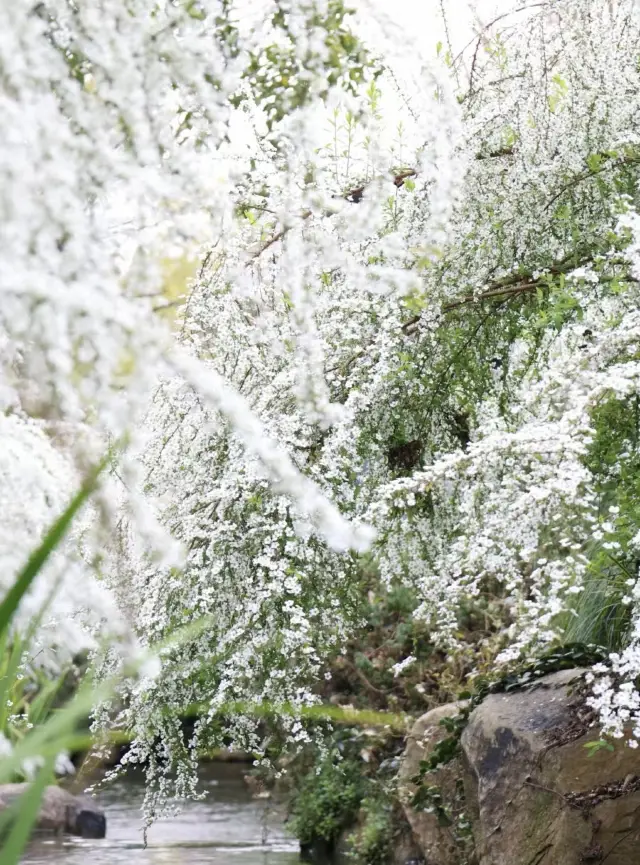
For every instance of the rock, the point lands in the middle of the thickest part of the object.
(318, 852)
(60, 811)
(406, 850)
(438, 842)
(538, 797)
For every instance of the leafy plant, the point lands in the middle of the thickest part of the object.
(27, 694)
(25, 811)
(372, 842)
(327, 801)
(598, 745)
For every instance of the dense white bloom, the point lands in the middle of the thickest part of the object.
(104, 103)
(433, 338)
(406, 343)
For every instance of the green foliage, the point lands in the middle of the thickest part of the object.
(27, 694)
(601, 613)
(429, 798)
(279, 82)
(14, 687)
(343, 790)
(598, 745)
(363, 674)
(327, 801)
(372, 843)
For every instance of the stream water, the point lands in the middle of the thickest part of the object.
(227, 828)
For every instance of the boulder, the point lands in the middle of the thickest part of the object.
(539, 797)
(60, 811)
(435, 832)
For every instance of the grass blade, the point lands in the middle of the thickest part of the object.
(24, 815)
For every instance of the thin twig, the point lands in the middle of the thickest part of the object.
(488, 26)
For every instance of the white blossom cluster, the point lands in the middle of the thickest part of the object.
(121, 120)
(155, 123)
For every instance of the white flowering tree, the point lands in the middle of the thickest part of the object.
(413, 330)
(449, 354)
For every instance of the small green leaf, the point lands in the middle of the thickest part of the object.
(598, 745)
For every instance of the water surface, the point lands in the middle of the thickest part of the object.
(228, 828)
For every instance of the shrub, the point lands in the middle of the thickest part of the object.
(327, 801)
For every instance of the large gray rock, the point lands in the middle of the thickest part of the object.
(60, 811)
(539, 797)
(439, 843)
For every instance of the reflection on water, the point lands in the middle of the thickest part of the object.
(228, 828)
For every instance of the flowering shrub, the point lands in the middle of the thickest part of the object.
(418, 338)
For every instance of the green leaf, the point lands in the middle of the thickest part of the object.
(594, 161)
(40, 707)
(598, 745)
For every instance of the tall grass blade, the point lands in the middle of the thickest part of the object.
(23, 815)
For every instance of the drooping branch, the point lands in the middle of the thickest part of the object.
(499, 290)
(506, 286)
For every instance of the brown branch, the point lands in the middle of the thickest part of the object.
(567, 801)
(495, 83)
(355, 195)
(521, 288)
(169, 304)
(495, 154)
(500, 290)
(488, 26)
(400, 178)
(280, 234)
(519, 283)
(409, 324)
